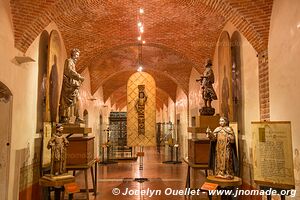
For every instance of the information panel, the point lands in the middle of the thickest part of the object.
(272, 152)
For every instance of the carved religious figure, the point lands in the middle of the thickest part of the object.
(140, 107)
(208, 92)
(58, 145)
(70, 89)
(223, 154)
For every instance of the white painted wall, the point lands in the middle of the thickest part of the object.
(95, 108)
(182, 111)
(171, 110)
(22, 81)
(5, 131)
(284, 66)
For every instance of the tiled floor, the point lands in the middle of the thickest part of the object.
(163, 178)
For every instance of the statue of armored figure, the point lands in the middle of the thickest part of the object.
(223, 151)
(208, 92)
(72, 80)
(58, 145)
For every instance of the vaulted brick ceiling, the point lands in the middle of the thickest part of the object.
(180, 35)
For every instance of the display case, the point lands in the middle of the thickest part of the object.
(118, 129)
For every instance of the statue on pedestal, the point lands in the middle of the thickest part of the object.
(58, 145)
(223, 153)
(70, 89)
(208, 92)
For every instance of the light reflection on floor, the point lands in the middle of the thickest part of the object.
(121, 176)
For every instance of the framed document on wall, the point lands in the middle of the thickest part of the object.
(272, 152)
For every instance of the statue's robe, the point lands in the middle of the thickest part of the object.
(223, 152)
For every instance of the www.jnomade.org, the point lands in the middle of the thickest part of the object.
(187, 191)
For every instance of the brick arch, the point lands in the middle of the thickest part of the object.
(162, 96)
(120, 79)
(251, 19)
(39, 15)
(5, 93)
(50, 12)
(85, 62)
(171, 65)
(88, 61)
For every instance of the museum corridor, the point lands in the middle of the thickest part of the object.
(85, 82)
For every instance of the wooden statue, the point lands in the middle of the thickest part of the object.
(223, 154)
(208, 92)
(70, 89)
(58, 145)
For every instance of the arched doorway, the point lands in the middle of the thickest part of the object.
(5, 137)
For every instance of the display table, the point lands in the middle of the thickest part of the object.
(57, 182)
(84, 168)
(195, 167)
(263, 185)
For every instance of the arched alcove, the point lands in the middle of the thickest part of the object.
(42, 76)
(225, 76)
(53, 74)
(5, 137)
(236, 78)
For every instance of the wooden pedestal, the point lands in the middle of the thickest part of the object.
(202, 122)
(80, 150)
(75, 129)
(198, 151)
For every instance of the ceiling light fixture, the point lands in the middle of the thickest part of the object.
(140, 24)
